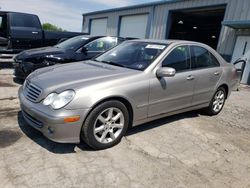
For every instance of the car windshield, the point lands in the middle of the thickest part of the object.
(73, 43)
(132, 54)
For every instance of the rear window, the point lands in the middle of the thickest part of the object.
(24, 20)
(3, 23)
(202, 58)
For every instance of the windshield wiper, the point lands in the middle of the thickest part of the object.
(110, 63)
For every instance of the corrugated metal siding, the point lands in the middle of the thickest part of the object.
(236, 10)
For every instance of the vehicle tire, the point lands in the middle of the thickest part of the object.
(105, 125)
(217, 102)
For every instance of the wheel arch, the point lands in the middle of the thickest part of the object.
(225, 86)
(121, 99)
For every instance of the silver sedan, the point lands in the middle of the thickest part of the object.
(133, 83)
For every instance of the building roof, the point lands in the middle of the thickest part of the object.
(237, 24)
(133, 6)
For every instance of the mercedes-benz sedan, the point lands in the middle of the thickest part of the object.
(133, 83)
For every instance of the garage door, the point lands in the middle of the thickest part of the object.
(134, 26)
(98, 26)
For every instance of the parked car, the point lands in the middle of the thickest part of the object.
(133, 83)
(243, 64)
(21, 31)
(240, 65)
(75, 49)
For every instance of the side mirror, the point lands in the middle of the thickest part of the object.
(84, 50)
(165, 72)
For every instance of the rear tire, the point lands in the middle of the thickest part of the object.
(217, 102)
(105, 125)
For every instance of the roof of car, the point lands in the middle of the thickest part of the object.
(101, 36)
(6, 12)
(168, 41)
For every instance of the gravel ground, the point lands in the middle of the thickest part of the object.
(186, 150)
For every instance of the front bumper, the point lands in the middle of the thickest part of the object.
(18, 71)
(51, 122)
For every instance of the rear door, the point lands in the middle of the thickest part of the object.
(207, 72)
(25, 31)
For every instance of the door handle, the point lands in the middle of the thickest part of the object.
(34, 32)
(217, 73)
(190, 77)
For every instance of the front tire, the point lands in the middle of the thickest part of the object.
(217, 102)
(105, 125)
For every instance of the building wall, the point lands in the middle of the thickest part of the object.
(159, 15)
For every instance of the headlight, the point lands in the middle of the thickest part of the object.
(57, 101)
(24, 84)
(49, 99)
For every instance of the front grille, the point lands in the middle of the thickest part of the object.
(31, 91)
(34, 121)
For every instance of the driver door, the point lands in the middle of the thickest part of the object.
(169, 94)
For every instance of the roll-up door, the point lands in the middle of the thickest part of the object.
(133, 26)
(98, 26)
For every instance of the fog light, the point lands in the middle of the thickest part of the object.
(71, 119)
(50, 130)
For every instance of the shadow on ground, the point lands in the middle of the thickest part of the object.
(58, 148)
(9, 137)
(161, 122)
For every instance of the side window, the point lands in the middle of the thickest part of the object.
(102, 44)
(179, 59)
(214, 60)
(3, 23)
(202, 58)
(24, 20)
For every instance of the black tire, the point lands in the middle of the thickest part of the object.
(210, 109)
(87, 133)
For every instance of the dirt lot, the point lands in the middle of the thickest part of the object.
(187, 150)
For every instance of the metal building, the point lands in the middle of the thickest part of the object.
(222, 24)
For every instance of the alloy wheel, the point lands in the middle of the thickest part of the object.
(109, 125)
(218, 101)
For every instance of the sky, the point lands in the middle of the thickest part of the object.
(66, 14)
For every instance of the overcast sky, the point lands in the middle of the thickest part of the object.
(64, 13)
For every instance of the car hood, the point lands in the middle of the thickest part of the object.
(40, 52)
(76, 75)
